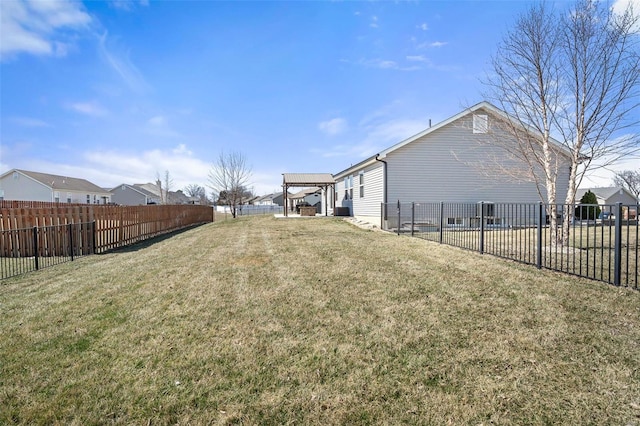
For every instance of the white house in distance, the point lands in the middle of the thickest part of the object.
(449, 162)
(23, 185)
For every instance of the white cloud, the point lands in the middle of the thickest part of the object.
(28, 122)
(158, 120)
(382, 64)
(159, 126)
(92, 108)
(121, 63)
(379, 130)
(116, 167)
(603, 170)
(417, 58)
(127, 5)
(374, 22)
(182, 150)
(334, 126)
(39, 27)
(432, 44)
(423, 26)
(620, 6)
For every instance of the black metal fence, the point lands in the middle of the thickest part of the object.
(29, 249)
(597, 242)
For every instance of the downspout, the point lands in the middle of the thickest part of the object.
(384, 190)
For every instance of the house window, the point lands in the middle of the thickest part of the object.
(346, 194)
(361, 181)
(88, 199)
(123, 187)
(362, 191)
(15, 175)
(351, 193)
(480, 123)
(69, 197)
(454, 221)
(56, 196)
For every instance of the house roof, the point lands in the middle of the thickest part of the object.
(304, 192)
(308, 179)
(484, 105)
(603, 193)
(63, 183)
(137, 189)
(151, 188)
(264, 197)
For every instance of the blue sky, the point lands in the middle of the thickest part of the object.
(120, 91)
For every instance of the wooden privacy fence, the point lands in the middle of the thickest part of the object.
(104, 227)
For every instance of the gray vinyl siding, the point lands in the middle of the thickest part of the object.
(23, 188)
(369, 205)
(623, 198)
(450, 165)
(127, 196)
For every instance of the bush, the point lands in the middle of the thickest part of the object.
(587, 209)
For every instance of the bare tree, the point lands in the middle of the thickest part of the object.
(164, 185)
(629, 180)
(230, 176)
(196, 191)
(575, 76)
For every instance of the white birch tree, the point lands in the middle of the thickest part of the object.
(573, 75)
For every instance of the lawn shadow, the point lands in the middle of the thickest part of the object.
(150, 241)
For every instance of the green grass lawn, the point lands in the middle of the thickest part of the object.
(313, 321)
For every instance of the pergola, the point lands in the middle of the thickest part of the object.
(304, 180)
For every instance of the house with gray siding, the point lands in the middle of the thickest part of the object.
(24, 185)
(133, 195)
(609, 196)
(456, 161)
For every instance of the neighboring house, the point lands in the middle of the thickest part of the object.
(269, 200)
(132, 195)
(179, 197)
(252, 201)
(449, 162)
(152, 188)
(610, 196)
(308, 195)
(23, 185)
(311, 196)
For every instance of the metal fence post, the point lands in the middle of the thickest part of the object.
(71, 240)
(398, 217)
(413, 216)
(482, 227)
(441, 219)
(617, 273)
(539, 237)
(35, 246)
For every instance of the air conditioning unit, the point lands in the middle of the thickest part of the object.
(486, 209)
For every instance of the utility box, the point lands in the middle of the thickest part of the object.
(341, 211)
(307, 211)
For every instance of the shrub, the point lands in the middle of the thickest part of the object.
(588, 208)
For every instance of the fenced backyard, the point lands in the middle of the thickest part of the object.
(42, 235)
(596, 248)
(269, 321)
